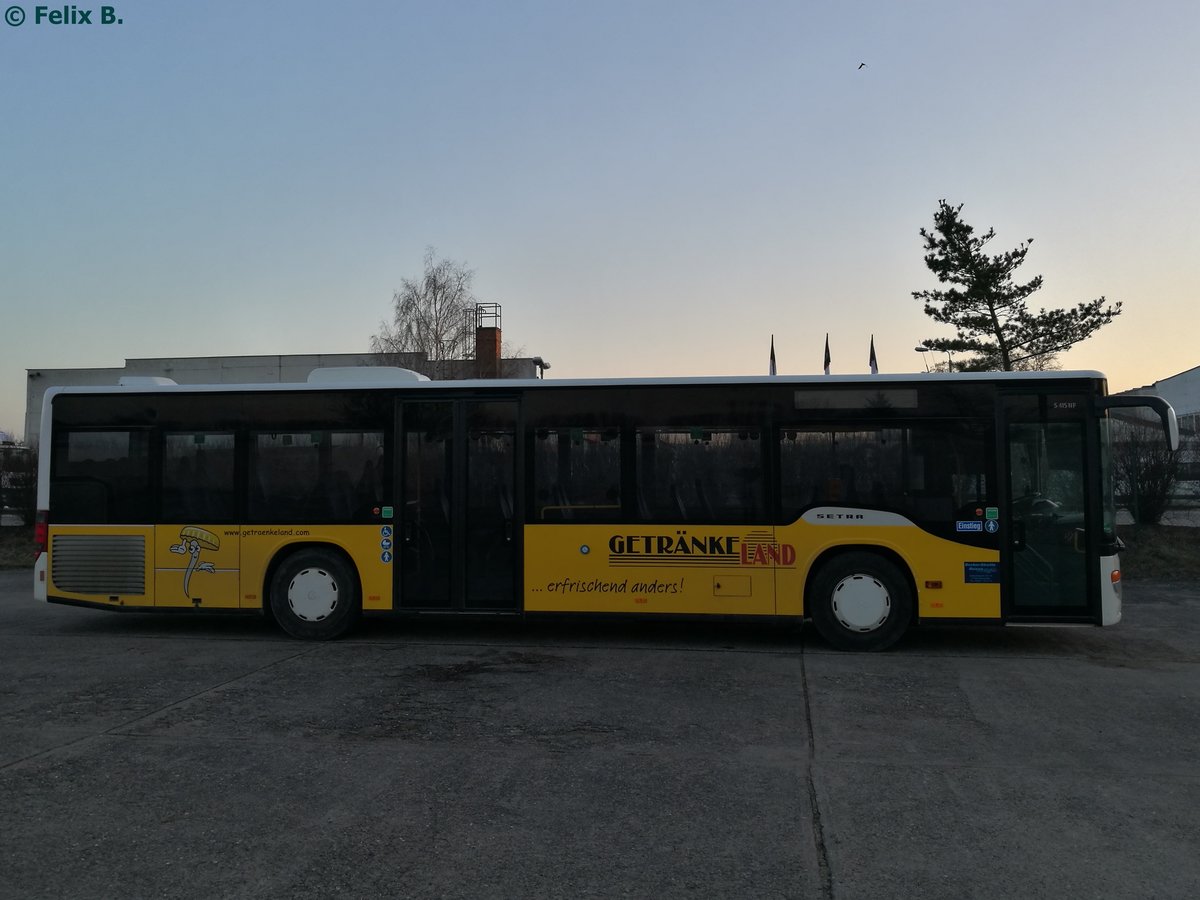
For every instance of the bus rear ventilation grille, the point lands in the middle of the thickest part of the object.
(99, 564)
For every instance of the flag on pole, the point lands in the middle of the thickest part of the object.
(827, 353)
(874, 361)
(772, 372)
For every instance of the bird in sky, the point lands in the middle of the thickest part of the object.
(862, 65)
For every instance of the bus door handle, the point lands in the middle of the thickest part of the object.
(508, 532)
(408, 532)
(1018, 536)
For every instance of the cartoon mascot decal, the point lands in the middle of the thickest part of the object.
(191, 541)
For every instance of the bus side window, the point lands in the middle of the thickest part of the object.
(948, 467)
(101, 477)
(197, 477)
(700, 474)
(576, 475)
(927, 471)
(315, 476)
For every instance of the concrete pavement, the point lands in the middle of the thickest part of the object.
(145, 756)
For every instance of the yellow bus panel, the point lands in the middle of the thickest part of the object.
(651, 569)
(197, 565)
(944, 572)
(369, 547)
(742, 570)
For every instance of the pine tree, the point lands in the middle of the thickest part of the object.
(988, 309)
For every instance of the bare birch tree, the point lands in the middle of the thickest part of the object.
(433, 315)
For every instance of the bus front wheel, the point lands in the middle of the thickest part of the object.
(314, 595)
(860, 601)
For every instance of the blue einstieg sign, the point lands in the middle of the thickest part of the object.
(968, 526)
(981, 573)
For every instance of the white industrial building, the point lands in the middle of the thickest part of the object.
(488, 362)
(255, 370)
(1182, 391)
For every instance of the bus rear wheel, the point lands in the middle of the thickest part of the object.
(860, 601)
(314, 595)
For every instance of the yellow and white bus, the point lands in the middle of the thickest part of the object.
(865, 504)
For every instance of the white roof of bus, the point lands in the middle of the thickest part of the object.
(147, 387)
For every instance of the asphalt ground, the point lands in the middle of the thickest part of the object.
(145, 756)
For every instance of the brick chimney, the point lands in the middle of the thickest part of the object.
(487, 340)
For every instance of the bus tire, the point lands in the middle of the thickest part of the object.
(315, 595)
(860, 601)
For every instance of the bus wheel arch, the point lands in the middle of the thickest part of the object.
(313, 591)
(861, 597)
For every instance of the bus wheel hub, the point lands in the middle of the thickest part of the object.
(313, 595)
(861, 603)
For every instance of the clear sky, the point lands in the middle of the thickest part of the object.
(646, 187)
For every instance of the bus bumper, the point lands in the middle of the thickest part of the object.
(40, 587)
(1110, 589)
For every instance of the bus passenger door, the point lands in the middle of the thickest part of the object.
(1049, 510)
(489, 525)
(455, 521)
(424, 528)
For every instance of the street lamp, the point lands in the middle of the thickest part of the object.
(949, 358)
(924, 359)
